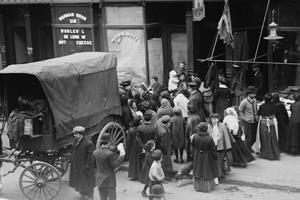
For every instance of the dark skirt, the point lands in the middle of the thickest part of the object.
(269, 144)
(203, 185)
(241, 153)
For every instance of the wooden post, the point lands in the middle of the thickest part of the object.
(146, 44)
(2, 44)
(28, 35)
(190, 42)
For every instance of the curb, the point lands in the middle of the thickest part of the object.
(284, 188)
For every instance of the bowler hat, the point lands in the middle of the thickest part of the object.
(105, 137)
(78, 129)
(250, 90)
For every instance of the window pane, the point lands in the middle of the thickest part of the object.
(124, 15)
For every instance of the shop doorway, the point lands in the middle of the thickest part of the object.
(19, 36)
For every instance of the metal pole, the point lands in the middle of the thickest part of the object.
(261, 30)
(250, 62)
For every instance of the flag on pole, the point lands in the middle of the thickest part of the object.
(198, 10)
(225, 27)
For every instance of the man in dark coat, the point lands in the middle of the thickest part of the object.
(146, 131)
(196, 103)
(106, 161)
(82, 177)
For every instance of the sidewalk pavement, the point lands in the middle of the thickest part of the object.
(280, 175)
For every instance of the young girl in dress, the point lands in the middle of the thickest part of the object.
(240, 152)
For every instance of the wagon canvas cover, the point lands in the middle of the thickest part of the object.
(82, 88)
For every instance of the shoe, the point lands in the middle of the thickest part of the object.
(181, 161)
(144, 194)
(176, 160)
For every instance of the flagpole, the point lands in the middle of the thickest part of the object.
(214, 47)
(261, 30)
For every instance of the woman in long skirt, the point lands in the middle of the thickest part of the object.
(240, 152)
(205, 160)
(267, 135)
(223, 143)
(135, 162)
(283, 121)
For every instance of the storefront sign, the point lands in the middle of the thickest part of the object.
(117, 38)
(72, 32)
(198, 10)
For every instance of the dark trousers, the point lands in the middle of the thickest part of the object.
(107, 193)
(88, 193)
(250, 133)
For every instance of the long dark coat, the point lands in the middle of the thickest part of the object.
(177, 130)
(164, 141)
(222, 100)
(135, 162)
(144, 175)
(82, 176)
(205, 157)
(196, 105)
(145, 132)
(283, 121)
(293, 140)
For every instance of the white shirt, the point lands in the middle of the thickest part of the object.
(156, 173)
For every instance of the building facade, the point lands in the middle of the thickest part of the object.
(149, 37)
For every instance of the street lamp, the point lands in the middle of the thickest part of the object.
(273, 37)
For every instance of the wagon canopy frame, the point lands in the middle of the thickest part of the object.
(82, 88)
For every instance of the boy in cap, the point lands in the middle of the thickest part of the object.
(107, 161)
(249, 118)
(82, 177)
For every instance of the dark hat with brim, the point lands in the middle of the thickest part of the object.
(157, 190)
(250, 90)
(105, 137)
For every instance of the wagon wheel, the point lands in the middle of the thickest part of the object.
(61, 163)
(117, 134)
(40, 181)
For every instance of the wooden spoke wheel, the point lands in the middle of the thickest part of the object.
(40, 181)
(117, 134)
(61, 163)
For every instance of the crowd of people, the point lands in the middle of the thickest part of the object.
(188, 116)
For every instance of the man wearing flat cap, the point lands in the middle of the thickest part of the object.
(249, 118)
(125, 88)
(82, 177)
(106, 161)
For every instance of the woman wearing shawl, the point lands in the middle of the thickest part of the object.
(164, 141)
(267, 131)
(177, 130)
(240, 152)
(164, 109)
(293, 137)
(222, 141)
(205, 160)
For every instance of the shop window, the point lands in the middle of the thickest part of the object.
(124, 15)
